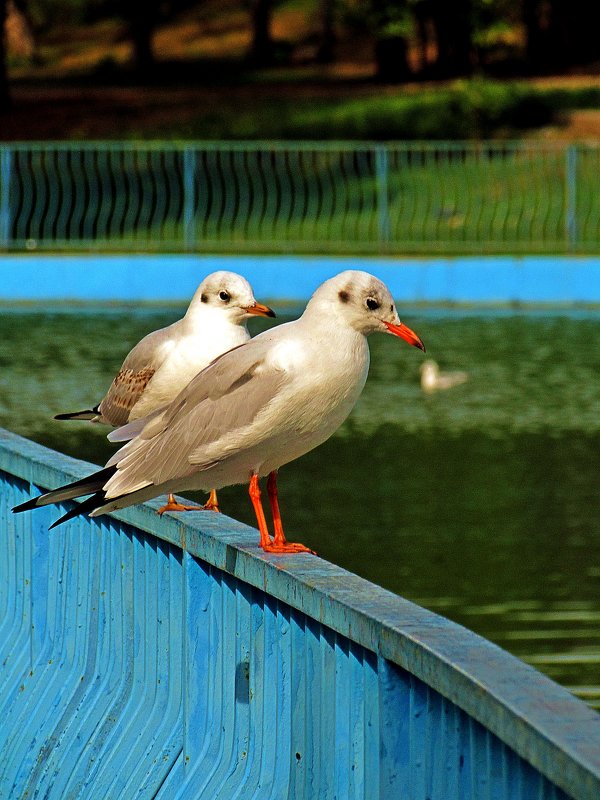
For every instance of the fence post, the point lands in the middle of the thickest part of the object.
(571, 197)
(383, 211)
(5, 175)
(189, 198)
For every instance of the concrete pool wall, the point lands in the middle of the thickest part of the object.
(136, 277)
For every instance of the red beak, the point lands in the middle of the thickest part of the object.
(260, 310)
(404, 332)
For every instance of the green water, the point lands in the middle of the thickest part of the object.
(480, 502)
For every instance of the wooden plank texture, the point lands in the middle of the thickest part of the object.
(169, 657)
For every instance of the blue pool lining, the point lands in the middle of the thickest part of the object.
(174, 277)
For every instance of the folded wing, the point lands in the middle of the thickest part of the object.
(218, 413)
(134, 376)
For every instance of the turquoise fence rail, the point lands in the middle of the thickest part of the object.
(404, 198)
(169, 658)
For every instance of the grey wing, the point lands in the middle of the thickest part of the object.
(213, 416)
(134, 376)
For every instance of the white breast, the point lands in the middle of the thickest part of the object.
(320, 393)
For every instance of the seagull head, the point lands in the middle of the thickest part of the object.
(362, 302)
(230, 294)
(430, 368)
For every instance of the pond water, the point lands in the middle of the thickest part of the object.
(480, 502)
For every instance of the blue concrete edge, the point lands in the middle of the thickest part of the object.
(142, 277)
(538, 719)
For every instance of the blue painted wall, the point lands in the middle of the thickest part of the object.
(169, 658)
(173, 278)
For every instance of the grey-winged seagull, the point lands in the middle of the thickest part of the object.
(253, 409)
(165, 361)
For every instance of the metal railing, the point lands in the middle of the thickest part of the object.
(170, 658)
(408, 198)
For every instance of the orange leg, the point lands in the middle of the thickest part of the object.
(280, 544)
(173, 505)
(254, 491)
(212, 504)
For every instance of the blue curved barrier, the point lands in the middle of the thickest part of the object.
(148, 657)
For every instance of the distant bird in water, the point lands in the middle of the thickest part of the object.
(432, 380)
(166, 360)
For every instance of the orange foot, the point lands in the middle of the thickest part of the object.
(175, 506)
(287, 547)
(172, 505)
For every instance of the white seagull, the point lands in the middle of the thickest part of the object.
(166, 360)
(252, 410)
(432, 380)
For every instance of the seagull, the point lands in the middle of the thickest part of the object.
(254, 409)
(166, 360)
(433, 380)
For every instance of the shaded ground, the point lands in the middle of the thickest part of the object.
(57, 111)
(68, 110)
(576, 126)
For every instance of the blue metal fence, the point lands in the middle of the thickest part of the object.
(494, 197)
(167, 657)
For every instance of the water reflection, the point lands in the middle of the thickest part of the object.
(479, 502)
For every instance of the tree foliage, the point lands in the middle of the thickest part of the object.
(411, 39)
(449, 39)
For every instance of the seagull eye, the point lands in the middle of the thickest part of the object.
(225, 296)
(372, 305)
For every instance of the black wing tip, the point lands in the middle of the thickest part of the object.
(27, 505)
(69, 515)
(93, 502)
(89, 484)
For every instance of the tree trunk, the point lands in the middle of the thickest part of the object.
(452, 23)
(560, 34)
(391, 58)
(261, 47)
(391, 46)
(142, 16)
(546, 35)
(4, 92)
(327, 35)
(580, 20)
(421, 21)
(535, 45)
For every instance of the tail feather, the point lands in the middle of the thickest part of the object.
(90, 413)
(90, 484)
(95, 501)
